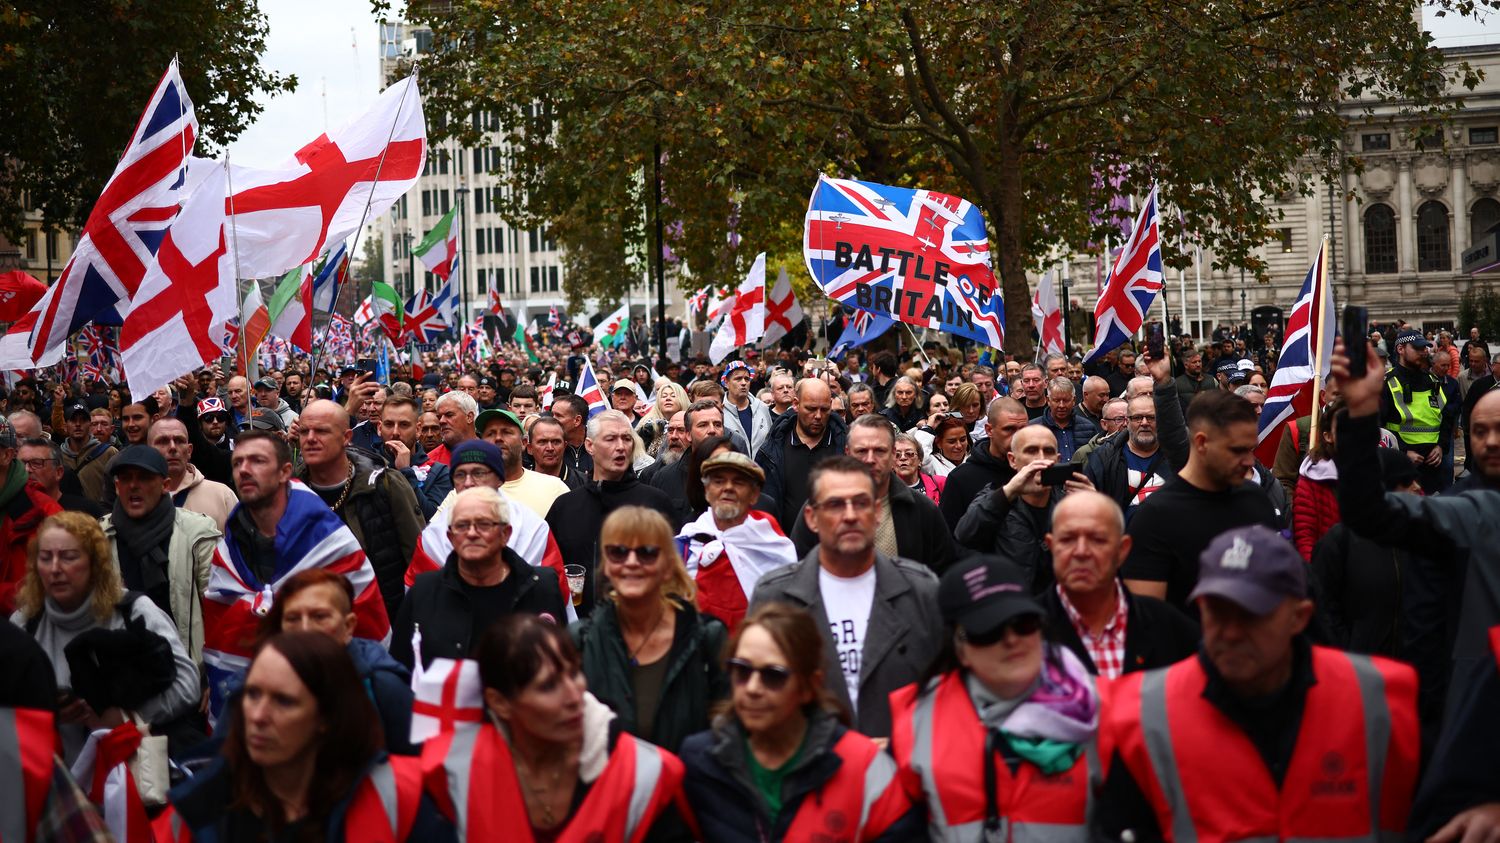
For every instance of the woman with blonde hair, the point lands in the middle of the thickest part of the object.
(670, 398)
(647, 651)
(125, 655)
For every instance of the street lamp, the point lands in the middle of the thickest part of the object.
(463, 247)
(1244, 314)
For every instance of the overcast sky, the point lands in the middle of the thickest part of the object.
(331, 46)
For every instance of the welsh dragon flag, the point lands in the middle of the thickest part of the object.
(523, 339)
(438, 251)
(611, 331)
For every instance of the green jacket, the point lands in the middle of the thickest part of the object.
(695, 678)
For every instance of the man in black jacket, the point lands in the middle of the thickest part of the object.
(1110, 630)
(907, 524)
(989, 460)
(577, 517)
(481, 582)
(797, 441)
(1130, 468)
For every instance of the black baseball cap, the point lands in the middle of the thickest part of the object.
(262, 418)
(984, 593)
(143, 457)
(268, 383)
(1253, 567)
(1412, 337)
(74, 408)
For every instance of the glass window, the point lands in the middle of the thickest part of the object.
(552, 279)
(1483, 215)
(536, 279)
(1432, 141)
(1286, 239)
(1433, 252)
(1375, 141)
(1380, 240)
(1484, 135)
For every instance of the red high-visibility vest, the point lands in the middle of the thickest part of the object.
(28, 740)
(939, 744)
(382, 810)
(472, 778)
(1352, 770)
(860, 801)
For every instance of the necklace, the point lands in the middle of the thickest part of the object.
(348, 484)
(540, 794)
(646, 638)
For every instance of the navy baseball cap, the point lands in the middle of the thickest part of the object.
(143, 457)
(1412, 337)
(985, 593)
(1253, 567)
(480, 452)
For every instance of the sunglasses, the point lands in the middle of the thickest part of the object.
(645, 554)
(773, 677)
(1022, 626)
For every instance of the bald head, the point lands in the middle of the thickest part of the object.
(1484, 437)
(323, 432)
(327, 411)
(238, 390)
(814, 403)
(1088, 547)
(1091, 506)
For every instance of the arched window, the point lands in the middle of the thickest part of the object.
(1380, 240)
(1482, 216)
(1433, 252)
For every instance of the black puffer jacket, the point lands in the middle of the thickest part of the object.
(965, 482)
(695, 677)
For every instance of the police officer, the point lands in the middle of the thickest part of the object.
(1412, 406)
(1260, 734)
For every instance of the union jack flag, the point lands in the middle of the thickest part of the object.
(1133, 283)
(120, 238)
(230, 339)
(862, 327)
(1291, 391)
(554, 318)
(697, 300)
(446, 303)
(588, 389)
(919, 256)
(101, 354)
(338, 338)
(475, 341)
(423, 321)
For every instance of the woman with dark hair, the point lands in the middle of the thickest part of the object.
(950, 446)
(320, 600)
(1315, 507)
(1002, 732)
(647, 652)
(302, 760)
(780, 763)
(551, 762)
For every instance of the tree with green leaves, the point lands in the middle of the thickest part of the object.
(1043, 112)
(75, 75)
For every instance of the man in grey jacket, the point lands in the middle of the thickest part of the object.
(881, 612)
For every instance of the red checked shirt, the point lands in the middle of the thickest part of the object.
(1107, 649)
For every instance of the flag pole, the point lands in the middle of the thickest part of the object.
(234, 240)
(1317, 351)
(917, 342)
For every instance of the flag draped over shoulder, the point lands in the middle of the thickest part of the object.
(1133, 283)
(120, 238)
(530, 538)
(1307, 353)
(310, 535)
(919, 256)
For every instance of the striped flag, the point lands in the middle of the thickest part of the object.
(438, 251)
(1291, 391)
(309, 536)
(588, 389)
(1133, 283)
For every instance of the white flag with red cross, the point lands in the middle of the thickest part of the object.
(783, 313)
(746, 321)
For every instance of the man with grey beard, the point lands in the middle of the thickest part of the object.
(677, 439)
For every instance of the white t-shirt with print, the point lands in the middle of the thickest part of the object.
(847, 603)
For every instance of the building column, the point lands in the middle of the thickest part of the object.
(1458, 183)
(1353, 232)
(1406, 222)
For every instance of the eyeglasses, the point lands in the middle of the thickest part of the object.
(462, 527)
(773, 677)
(1022, 626)
(645, 554)
(1114, 419)
(1140, 418)
(836, 506)
(473, 474)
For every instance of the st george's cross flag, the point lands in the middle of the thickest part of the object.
(290, 214)
(120, 238)
(746, 321)
(1048, 316)
(1308, 342)
(310, 536)
(176, 319)
(1133, 283)
(919, 256)
(783, 313)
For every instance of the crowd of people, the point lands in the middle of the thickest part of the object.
(917, 593)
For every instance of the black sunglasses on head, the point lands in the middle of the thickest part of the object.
(773, 677)
(1022, 626)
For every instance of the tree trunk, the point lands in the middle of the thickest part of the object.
(1006, 206)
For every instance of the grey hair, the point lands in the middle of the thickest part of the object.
(1131, 391)
(915, 443)
(465, 401)
(22, 414)
(1061, 385)
(1247, 390)
(875, 421)
(1047, 360)
(486, 495)
(592, 430)
(860, 389)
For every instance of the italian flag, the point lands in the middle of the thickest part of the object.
(523, 339)
(387, 308)
(611, 332)
(291, 308)
(255, 319)
(438, 249)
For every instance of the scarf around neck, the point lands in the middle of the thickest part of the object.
(1049, 723)
(145, 539)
